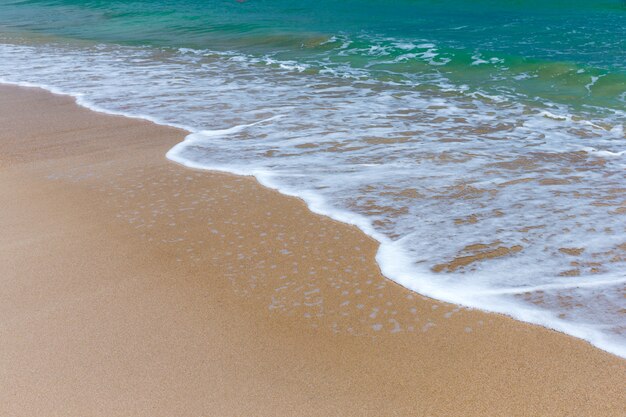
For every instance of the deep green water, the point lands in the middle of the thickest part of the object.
(570, 52)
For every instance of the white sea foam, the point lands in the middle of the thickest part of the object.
(430, 176)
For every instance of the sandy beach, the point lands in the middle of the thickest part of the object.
(132, 286)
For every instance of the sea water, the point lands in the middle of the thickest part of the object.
(480, 142)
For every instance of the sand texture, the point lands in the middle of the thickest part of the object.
(131, 286)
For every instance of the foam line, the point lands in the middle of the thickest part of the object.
(83, 102)
(565, 286)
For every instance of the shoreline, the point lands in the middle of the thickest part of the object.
(388, 268)
(189, 265)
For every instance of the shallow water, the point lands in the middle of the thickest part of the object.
(484, 148)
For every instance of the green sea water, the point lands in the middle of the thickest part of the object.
(564, 51)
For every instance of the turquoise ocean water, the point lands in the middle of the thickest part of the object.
(444, 129)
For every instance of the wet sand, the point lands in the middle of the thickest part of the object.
(132, 286)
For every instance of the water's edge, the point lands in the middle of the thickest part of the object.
(393, 263)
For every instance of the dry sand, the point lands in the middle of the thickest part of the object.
(131, 286)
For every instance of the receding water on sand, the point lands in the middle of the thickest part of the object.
(484, 201)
